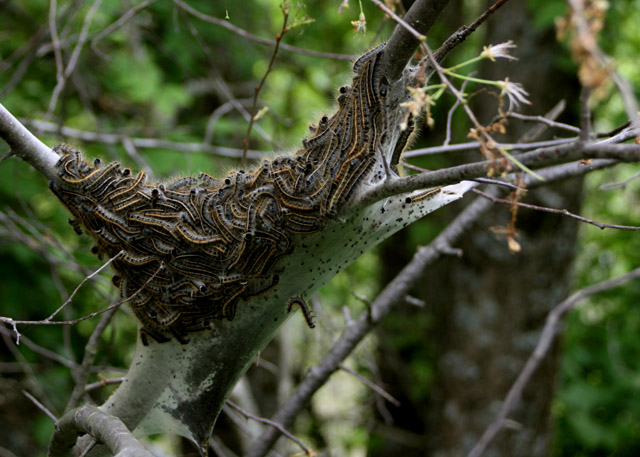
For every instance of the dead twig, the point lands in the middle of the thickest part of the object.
(244, 34)
(563, 212)
(376, 388)
(256, 91)
(40, 406)
(307, 450)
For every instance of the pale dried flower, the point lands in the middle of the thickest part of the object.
(514, 92)
(420, 100)
(498, 51)
(513, 244)
(360, 25)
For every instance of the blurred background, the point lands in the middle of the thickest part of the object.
(159, 87)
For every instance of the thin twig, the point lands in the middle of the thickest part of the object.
(116, 25)
(538, 129)
(244, 34)
(73, 60)
(88, 316)
(447, 138)
(620, 184)
(103, 383)
(39, 349)
(463, 32)
(217, 114)
(55, 40)
(543, 120)
(219, 448)
(256, 91)
(585, 114)
(87, 278)
(417, 35)
(402, 44)
(132, 151)
(40, 406)
(563, 212)
(145, 143)
(219, 80)
(307, 450)
(542, 348)
(376, 388)
(81, 373)
(27, 369)
(471, 145)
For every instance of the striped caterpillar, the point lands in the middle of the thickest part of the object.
(195, 248)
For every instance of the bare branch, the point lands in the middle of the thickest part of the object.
(471, 145)
(417, 35)
(543, 120)
(376, 388)
(563, 212)
(585, 115)
(73, 60)
(402, 43)
(55, 40)
(31, 378)
(83, 318)
(39, 349)
(463, 32)
(244, 34)
(103, 383)
(307, 450)
(222, 85)
(259, 87)
(144, 143)
(542, 348)
(40, 406)
(117, 24)
(26, 146)
(535, 159)
(103, 427)
(81, 374)
(621, 184)
(452, 110)
(75, 291)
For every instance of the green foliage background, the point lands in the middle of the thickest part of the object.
(151, 78)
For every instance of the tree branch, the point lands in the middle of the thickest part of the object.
(143, 143)
(26, 146)
(244, 34)
(534, 159)
(104, 428)
(402, 43)
(563, 212)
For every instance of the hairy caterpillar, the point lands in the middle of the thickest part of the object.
(196, 247)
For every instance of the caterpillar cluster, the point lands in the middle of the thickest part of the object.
(194, 248)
